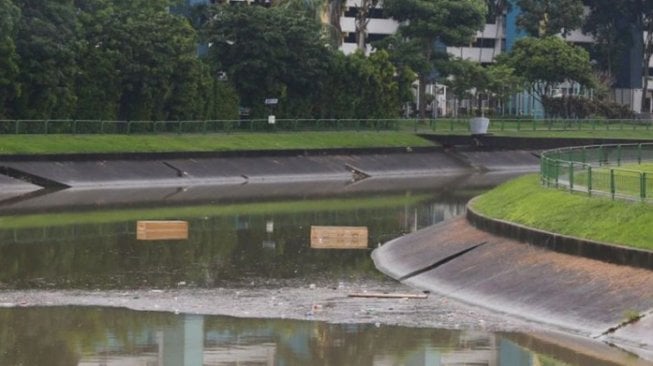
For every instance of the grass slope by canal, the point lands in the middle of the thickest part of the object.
(59, 144)
(525, 201)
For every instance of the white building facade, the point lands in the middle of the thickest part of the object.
(497, 36)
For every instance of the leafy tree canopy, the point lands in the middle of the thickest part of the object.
(9, 18)
(545, 62)
(47, 43)
(541, 18)
(267, 53)
(429, 22)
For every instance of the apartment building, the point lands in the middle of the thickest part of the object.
(498, 36)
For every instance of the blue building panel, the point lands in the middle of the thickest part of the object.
(513, 33)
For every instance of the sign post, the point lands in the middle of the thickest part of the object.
(271, 103)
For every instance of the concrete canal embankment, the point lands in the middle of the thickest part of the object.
(576, 293)
(25, 173)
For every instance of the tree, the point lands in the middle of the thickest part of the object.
(47, 43)
(497, 10)
(406, 56)
(362, 20)
(503, 82)
(269, 53)
(542, 18)
(334, 12)
(139, 62)
(9, 18)
(545, 62)
(617, 28)
(360, 87)
(467, 80)
(433, 22)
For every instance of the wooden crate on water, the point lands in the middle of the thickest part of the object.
(339, 237)
(161, 230)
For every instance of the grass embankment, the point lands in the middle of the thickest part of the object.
(525, 201)
(58, 144)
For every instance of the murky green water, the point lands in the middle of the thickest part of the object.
(96, 336)
(229, 243)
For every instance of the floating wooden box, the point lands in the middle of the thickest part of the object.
(161, 230)
(339, 237)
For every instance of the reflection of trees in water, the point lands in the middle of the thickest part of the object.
(220, 251)
(58, 336)
(316, 343)
(64, 336)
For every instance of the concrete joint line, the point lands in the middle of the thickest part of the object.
(32, 178)
(357, 174)
(466, 161)
(180, 173)
(625, 323)
(440, 262)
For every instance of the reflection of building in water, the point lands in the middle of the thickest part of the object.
(185, 342)
(415, 218)
(472, 348)
(182, 343)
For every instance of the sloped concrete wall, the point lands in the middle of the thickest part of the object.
(91, 171)
(574, 293)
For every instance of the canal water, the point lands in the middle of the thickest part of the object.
(252, 237)
(115, 337)
(230, 243)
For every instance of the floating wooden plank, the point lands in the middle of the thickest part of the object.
(339, 237)
(161, 230)
(379, 295)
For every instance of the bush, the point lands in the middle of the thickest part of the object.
(579, 107)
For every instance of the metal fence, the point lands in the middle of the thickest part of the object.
(438, 125)
(188, 127)
(620, 171)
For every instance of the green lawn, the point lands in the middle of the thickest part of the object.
(524, 201)
(56, 144)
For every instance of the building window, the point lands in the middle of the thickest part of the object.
(484, 43)
(374, 37)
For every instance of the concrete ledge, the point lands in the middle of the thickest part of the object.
(216, 154)
(605, 252)
(490, 142)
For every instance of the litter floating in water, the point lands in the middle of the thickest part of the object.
(339, 237)
(161, 230)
